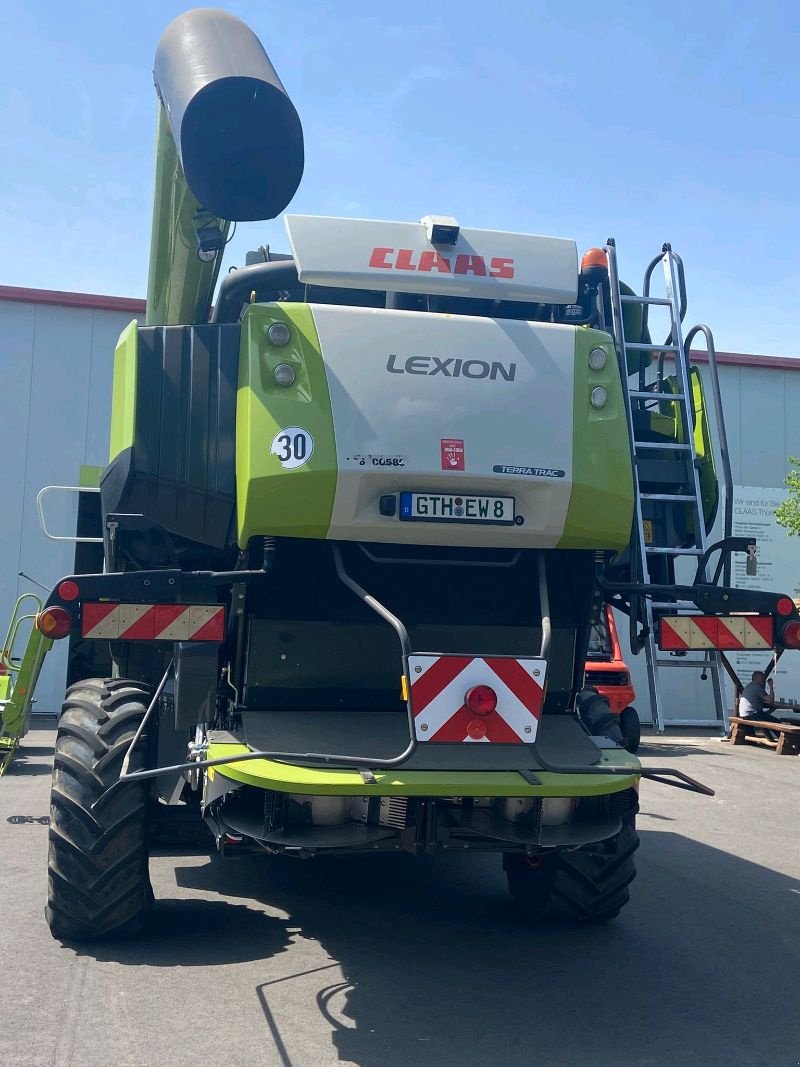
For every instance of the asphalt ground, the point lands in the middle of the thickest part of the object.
(397, 961)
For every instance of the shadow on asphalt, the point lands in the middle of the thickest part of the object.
(667, 751)
(195, 933)
(438, 967)
(21, 768)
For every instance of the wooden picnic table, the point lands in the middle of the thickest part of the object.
(786, 744)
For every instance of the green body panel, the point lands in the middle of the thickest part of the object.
(288, 778)
(179, 284)
(270, 499)
(123, 391)
(90, 476)
(14, 723)
(601, 502)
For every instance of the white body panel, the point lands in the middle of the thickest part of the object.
(398, 257)
(390, 425)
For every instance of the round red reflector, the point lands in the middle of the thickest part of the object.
(481, 700)
(68, 590)
(54, 622)
(785, 606)
(791, 635)
(476, 729)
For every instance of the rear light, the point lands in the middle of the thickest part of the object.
(785, 606)
(54, 623)
(481, 700)
(476, 729)
(791, 634)
(597, 358)
(68, 590)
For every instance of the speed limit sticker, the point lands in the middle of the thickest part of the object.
(293, 447)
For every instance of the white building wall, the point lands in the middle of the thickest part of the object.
(55, 391)
(762, 417)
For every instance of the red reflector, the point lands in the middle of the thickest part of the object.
(476, 729)
(481, 700)
(54, 622)
(791, 635)
(68, 590)
(785, 606)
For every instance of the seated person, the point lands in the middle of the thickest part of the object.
(758, 699)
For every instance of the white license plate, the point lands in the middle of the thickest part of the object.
(457, 507)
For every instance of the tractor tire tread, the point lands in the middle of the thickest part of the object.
(587, 885)
(98, 882)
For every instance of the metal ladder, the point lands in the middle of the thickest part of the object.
(636, 399)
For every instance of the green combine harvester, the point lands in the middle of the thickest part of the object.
(363, 504)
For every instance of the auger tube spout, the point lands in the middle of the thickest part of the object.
(229, 148)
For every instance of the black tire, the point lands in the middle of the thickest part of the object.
(587, 885)
(631, 729)
(98, 880)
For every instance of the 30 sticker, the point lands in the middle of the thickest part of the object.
(293, 446)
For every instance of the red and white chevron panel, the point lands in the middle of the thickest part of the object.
(153, 622)
(439, 686)
(680, 633)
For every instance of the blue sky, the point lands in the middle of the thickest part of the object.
(646, 121)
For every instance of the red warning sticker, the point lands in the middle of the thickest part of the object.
(452, 454)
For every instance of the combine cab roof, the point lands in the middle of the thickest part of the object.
(434, 256)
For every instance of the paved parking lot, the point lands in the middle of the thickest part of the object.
(399, 961)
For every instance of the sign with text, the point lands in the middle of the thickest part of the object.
(778, 571)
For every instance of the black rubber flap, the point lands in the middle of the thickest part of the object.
(383, 735)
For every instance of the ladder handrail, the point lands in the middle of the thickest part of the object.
(719, 418)
(13, 626)
(62, 537)
(672, 279)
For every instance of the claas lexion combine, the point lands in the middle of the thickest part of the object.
(357, 522)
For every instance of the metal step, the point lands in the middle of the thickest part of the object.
(661, 447)
(661, 550)
(645, 300)
(667, 496)
(648, 394)
(642, 347)
(684, 661)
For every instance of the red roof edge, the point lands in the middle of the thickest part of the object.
(93, 301)
(743, 359)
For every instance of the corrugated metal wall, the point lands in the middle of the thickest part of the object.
(55, 390)
(762, 417)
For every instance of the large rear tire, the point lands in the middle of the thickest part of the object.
(587, 885)
(98, 881)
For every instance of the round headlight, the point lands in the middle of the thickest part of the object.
(278, 334)
(598, 397)
(284, 374)
(597, 358)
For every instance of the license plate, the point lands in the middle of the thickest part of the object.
(457, 507)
